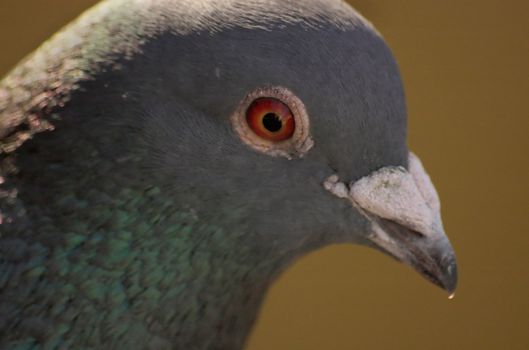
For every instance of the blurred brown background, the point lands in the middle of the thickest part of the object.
(465, 66)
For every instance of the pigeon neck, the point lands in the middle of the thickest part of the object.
(143, 274)
(130, 268)
(201, 285)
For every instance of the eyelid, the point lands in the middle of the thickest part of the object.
(296, 146)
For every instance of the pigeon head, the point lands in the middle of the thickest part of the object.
(164, 160)
(291, 129)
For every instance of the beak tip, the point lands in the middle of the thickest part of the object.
(443, 273)
(450, 278)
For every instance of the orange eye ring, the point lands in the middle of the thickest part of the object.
(270, 119)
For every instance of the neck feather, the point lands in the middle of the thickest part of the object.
(112, 262)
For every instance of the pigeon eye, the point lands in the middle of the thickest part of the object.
(270, 119)
(274, 121)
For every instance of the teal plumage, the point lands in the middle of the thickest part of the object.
(116, 262)
(121, 273)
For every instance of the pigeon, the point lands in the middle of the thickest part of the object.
(162, 162)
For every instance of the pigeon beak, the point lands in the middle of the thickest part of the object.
(404, 211)
(432, 257)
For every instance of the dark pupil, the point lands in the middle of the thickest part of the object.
(272, 122)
